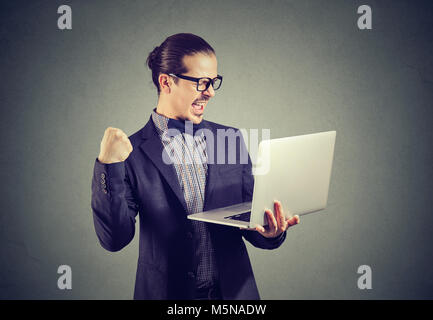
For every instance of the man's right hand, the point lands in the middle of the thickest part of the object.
(115, 146)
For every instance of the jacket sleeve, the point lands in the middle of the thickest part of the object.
(113, 204)
(254, 237)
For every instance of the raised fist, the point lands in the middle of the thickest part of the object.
(115, 146)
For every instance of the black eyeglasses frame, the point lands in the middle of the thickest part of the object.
(197, 80)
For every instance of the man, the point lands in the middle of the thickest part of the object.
(179, 258)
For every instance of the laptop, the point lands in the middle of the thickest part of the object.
(294, 170)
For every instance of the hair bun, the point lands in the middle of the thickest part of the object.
(152, 57)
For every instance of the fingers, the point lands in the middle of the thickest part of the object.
(128, 146)
(272, 222)
(115, 132)
(293, 220)
(260, 229)
(282, 224)
(118, 134)
(282, 221)
(277, 223)
(115, 146)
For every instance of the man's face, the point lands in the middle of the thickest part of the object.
(187, 103)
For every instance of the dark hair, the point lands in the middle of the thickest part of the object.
(167, 58)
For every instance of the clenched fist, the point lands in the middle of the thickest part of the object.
(115, 146)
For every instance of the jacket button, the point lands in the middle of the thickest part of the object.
(105, 191)
(191, 275)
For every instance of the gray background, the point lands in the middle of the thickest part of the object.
(295, 67)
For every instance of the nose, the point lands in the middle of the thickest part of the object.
(210, 92)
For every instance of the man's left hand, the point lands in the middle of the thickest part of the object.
(277, 224)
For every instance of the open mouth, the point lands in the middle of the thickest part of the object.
(198, 106)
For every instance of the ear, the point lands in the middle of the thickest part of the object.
(165, 83)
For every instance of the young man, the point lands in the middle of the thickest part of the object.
(179, 258)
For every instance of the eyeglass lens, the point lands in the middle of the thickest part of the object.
(203, 84)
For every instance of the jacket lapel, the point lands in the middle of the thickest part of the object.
(153, 148)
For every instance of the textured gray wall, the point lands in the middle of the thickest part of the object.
(292, 66)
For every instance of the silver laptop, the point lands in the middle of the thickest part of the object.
(294, 170)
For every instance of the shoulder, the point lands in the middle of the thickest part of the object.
(148, 130)
(136, 138)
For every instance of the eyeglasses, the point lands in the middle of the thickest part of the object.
(202, 83)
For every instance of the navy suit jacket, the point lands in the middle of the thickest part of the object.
(144, 184)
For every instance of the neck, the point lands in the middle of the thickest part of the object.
(163, 108)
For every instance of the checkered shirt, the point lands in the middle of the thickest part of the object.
(190, 161)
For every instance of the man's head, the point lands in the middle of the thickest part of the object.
(176, 66)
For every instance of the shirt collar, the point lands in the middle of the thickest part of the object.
(160, 122)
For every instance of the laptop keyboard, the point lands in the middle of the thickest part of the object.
(241, 217)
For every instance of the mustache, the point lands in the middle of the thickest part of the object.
(202, 99)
